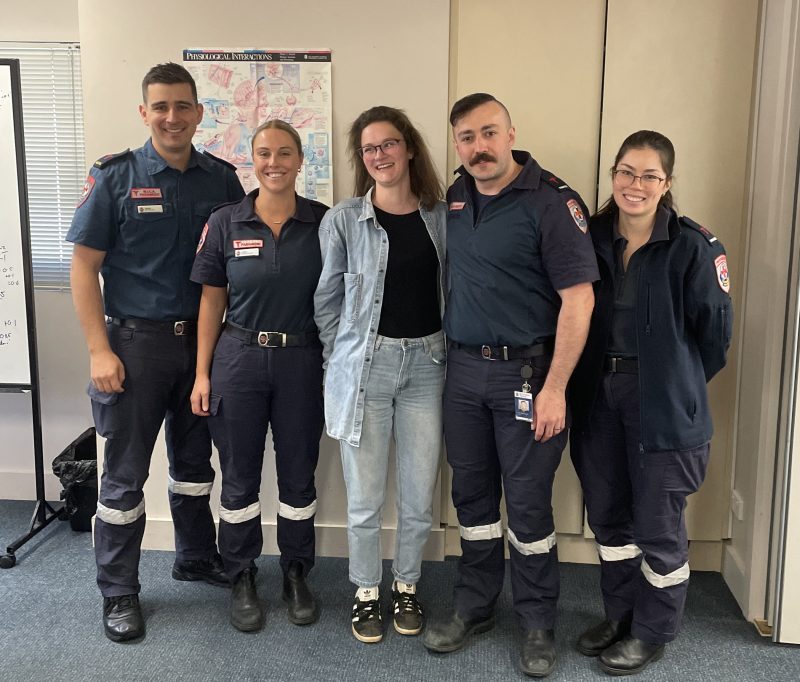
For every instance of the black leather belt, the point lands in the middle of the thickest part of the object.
(622, 365)
(271, 339)
(505, 352)
(177, 327)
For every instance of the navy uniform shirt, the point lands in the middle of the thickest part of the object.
(271, 282)
(506, 264)
(148, 217)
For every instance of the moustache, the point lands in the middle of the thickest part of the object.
(482, 156)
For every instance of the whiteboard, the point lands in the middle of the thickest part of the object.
(14, 343)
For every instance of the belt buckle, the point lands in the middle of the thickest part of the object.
(179, 328)
(265, 339)
(486, 352)
(614, 364)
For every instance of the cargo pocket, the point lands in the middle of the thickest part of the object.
(214, 403)
(103, 409)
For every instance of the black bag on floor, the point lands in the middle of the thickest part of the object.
(76, 468)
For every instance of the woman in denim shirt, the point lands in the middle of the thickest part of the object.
(378, 310)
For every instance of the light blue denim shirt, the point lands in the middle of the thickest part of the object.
(347, 303)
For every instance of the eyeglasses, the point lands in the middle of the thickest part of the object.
(626, 178)
(372, 149)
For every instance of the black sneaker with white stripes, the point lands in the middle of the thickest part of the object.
(406, 611)
(367, 625)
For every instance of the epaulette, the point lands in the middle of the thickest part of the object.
(103, 161)
(688, 222)
(555, 182)
(219, 160)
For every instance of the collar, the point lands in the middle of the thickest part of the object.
(660, 231)
(528, 178)
(156, 163)
(368, 208)
(245, 210)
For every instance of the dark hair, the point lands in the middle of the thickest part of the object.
(278, 125)
(169, 74)
(473, 101)
(645, 139)
(425, 182)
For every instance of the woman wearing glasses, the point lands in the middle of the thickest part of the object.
(378, 309)
(641, 421)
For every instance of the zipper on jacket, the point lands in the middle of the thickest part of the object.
(647, 317)
(723, 315)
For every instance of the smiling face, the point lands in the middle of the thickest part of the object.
(276, 160)
(172, 114)
(386, 168)
(484, 138)
(640, 198)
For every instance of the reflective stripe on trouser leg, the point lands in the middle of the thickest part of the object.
(240, 537)
(482, 562)
(295, 535)
(676, 577)
(188, 488)
(117, 539)
(297, 513)
(528, 548)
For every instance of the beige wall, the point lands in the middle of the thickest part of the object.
(41, 21)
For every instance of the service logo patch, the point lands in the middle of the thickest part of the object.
(88, 186)
(723, 279)
(577, 215)
(202, 239)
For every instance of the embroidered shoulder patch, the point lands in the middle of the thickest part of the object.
(723, 279)
(88, 186)
(202, 239)
(577, 215)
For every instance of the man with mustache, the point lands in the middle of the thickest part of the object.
(520, 273)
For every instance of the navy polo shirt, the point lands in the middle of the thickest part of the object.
(506, 263)
(148, 217)
(271, 282)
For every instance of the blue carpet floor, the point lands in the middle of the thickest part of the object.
(50, 627)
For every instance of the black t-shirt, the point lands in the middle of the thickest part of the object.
(410, 307)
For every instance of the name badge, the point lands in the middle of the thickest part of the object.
(150, 208)
(245, 252)
(145, 193)
(247, 243)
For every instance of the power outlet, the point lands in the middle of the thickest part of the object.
(737, 506)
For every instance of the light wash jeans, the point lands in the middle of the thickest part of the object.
(404, 396)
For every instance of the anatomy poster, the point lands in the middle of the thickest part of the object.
(241, 89)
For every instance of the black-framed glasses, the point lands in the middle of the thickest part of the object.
(626, 178)
(372, 149)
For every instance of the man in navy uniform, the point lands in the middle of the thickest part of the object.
(520, 268)
(138, 223)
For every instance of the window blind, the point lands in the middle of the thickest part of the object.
(52, 115)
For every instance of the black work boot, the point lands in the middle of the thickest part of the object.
(302, 607)
(452, 633)
(122, 618)
(630, 656)
(537, 656)
(593, 641)
(210, 571)
(246, 612)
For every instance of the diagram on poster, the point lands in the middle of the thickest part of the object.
(240, 89)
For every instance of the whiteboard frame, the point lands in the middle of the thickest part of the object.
(12, 65)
